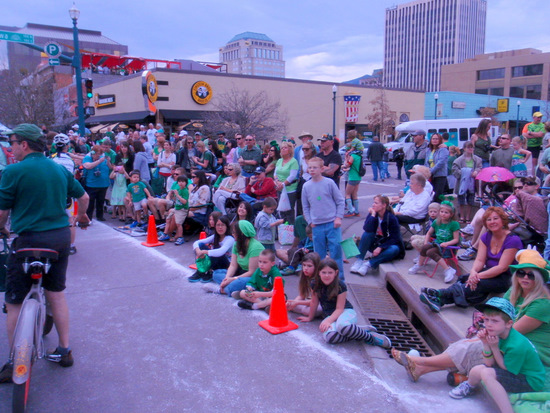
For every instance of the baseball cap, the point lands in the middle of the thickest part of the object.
(183, 133)
(28, 131)
(198, 133)
(419, 133)
(259, 170)
(326, 138)
(500, 304)
(537, 115)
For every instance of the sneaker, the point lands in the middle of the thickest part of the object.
(299, 268)
(236, 295)
(468, 255)
(416, 268)
(432, 292)
(195, 277)
(449, 274)
(466, 244)
(415, 260)
(164, 237)
(179, 241)
(433, 302)
(356, 214)
(462, 390)
(211, 288)
(64, 360)
(207, 277)
(245, 305)
(468, 229)
(288, 271)
(365, 268)
(6, 373)
(72, 251)
(368, 328)
(356, 266)
(134, 224)
(349, 214)
(379, 340)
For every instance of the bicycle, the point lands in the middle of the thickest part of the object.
(32, 324)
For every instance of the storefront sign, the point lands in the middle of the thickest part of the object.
(458, 105)
(201, 92)
(150, 91)
(502, 105)
(105, 101)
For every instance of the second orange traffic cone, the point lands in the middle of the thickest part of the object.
(278, 317)
(152, 237)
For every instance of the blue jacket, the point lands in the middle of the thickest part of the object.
(391, 232)
(441, 156)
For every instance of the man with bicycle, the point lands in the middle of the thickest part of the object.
(35, 190)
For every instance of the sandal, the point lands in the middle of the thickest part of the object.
(396, 354)
(410, 366)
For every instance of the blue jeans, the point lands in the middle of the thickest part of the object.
(326, 236)
(386, 255)
(248, 198)
(237, 285)
(377, 165)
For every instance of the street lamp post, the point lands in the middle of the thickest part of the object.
(517, 117)
(74, 13)
(436, 98)
(334, 90)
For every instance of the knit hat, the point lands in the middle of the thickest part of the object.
(247, 228)
(28, 131)
(530, 258)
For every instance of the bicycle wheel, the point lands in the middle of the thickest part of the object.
(21, 396)
(48, 324)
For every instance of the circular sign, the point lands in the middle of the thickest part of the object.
(52, 49)
(201, 92)
(151, 88)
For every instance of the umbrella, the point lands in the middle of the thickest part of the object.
(495, 174)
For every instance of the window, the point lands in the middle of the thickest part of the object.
(529, 70)
(490, 74)
(496, 91)
(516, 91)
(533, 91)
(463, 134)
(482, 91)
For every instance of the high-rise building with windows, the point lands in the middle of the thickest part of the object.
(423, 35)
(253, 54)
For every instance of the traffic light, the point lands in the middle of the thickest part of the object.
(89, 86)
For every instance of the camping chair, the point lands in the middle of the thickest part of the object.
(450, 257)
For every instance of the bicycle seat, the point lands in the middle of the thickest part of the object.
(37, 253)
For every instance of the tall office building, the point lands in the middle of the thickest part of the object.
(253, 54)
(423, 35)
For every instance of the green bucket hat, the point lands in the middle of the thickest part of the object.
(530, 258)
(500, 304)
(28, 131)
(247, 228)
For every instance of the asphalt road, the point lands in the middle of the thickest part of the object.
(146, 340)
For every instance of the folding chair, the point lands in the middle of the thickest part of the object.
(450, 257)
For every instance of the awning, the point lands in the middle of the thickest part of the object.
(181, 115)
(129, 117)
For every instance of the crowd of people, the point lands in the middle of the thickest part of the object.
(239, 194)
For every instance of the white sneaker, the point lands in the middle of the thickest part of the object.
(416, 268)
(356, 266)
(416, 260)
(365, 268)
(449, 274)
(468, 229)
(211, 288)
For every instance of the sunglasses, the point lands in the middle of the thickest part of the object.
(523, 273)
(530, 183)
(194, 176)
(518, 187)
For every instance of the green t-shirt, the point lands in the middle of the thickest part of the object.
(36, 191)
(264, 282)
(137, 191)
(184, 193)
(111, 155)
(208, 156)
(535, 127)
(353, 174)
(444, 232)
(521, 357)
(283, 171)
(254, 249)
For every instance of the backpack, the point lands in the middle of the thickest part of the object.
(362, 170)
(214, 167)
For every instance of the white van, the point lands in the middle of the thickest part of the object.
(459, 131)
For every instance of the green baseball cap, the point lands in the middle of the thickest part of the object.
(500, 304)
(28, 131)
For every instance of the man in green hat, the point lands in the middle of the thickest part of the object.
(35, 190)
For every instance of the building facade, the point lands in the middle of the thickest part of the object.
(520, 74)
(18, 56)
(253, 54)
(423, 35)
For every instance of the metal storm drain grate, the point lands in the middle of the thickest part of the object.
(379, 308)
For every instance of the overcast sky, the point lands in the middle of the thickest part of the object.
(322, 40)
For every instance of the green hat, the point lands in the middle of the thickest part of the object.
(28, 131)
(500, 304)
(247, 228)
(531, 258)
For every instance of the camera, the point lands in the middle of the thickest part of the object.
(97, 173)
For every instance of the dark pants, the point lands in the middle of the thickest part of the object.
(216, 263)
(97, 200)
(463, 296)
(440, 187)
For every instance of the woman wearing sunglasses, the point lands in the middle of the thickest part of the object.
(531, 299)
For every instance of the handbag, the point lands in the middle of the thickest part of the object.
(203, 264)
(285, 233)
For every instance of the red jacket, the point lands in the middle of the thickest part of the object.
(262, 189)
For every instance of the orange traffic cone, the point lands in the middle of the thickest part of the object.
(278, 317)
(152, 237)
(202, 235)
